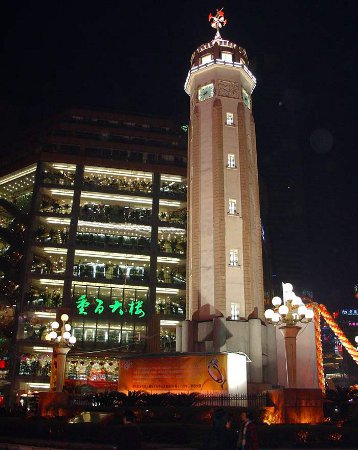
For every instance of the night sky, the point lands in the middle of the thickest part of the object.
(134, 57)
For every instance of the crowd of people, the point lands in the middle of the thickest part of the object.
(222, 435)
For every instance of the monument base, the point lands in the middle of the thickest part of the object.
(53, 404)
(297, 405)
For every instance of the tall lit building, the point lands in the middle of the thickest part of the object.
(224, 273)
(103, 197)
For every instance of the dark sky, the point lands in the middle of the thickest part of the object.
(134, 56)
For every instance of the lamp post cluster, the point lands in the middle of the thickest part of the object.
(63, 341)
(290, 311)
(286, 314)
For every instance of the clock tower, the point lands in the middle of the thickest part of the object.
(224, 277)
(225, 298)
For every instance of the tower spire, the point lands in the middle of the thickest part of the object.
(217, 21)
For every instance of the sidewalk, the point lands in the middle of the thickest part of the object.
(43, 445)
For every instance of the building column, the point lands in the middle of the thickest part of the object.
(187, 336)
(58, 368)
(219, 334)
(153, 322)
(255, 349)
(178, 338)
(71, 245)
(271, 354)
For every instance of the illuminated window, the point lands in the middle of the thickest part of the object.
(229, 118)
(246, 98)
(226, 56)
(231, 162)
(206, 59)
(235, 315)
(232, 206)
(234, 258)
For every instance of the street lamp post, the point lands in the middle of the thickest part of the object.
(286, 314)
(63, 341)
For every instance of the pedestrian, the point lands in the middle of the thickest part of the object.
(130, 437)
(248, 433)
(221, 436)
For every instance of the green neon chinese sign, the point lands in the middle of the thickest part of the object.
(134, 307)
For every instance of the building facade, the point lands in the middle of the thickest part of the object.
(103, 197)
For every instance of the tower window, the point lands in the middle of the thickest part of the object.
(226, 56)
(206, 59)
(229, 118)
(232, 206)
(246, 98)
(231, 162)
(234, 311)
(234, 258)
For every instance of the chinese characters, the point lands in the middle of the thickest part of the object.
(135, 307)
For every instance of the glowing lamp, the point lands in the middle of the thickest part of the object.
(276, 301)
(52, 335)
(283, 310)
(356, 339)
(55, 325)
(269, 313)
(301, 310)
(287, 287)
(309, 314)
(67, 327)
(66, 335)
(276, 317)
(296, 301)
(64, 317)
(72, 340)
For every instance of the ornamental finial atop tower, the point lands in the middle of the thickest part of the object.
(218, 21)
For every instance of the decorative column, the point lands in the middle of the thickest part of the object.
(290, 333)
(58, 368)
(63, 341)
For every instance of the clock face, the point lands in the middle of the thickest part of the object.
(206, 92)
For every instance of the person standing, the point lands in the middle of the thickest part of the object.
(248, 433)
(221, 436)
(130, 437)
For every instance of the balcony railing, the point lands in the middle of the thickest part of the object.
(167, 276)
(54, 206)
(118, 242)
(51, 236)
(48, 299)
(172, 246)
(174, 217)
(170, 308)
(108, 213)
(109, 272)
(61, 178)
(111, 184)
(173, 190)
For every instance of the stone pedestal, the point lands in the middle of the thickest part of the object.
(53, 404)
(290, 333)
(297, 405)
